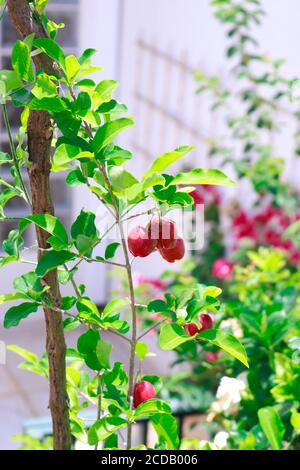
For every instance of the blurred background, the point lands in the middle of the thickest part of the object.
(154, 48)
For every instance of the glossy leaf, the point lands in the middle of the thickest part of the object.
(21, 61)
(200, 176)
(52, 259)
(104, 427)
(106, 133)
(165, 160)
(14, 315)
(272, 426)
(171, 336)
(227, 342)
(166, 428)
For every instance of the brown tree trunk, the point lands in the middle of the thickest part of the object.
(39, 143)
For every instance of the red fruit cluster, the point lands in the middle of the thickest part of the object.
(143, 391)
(206, 322)
(160, 234)
(266, 228)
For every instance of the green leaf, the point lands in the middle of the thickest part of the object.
(76, 178)
(65, 153)
(51, 225)
(212, 291)
(141, 350)
(28, 356)
(52, 259)
(152, 179)
(85, 304)
(55, 104)
(21, 62)
(104, 427)
(87, 342)
(167, 159)
(166, 428)
(113, 306)
(121, 179)
(295, 420)
(117, 376)
(72, 66)
(14, 315)
(112, 107)
(151, 407)
(4, 158)
(11, 80)
(171, 336)
(227, 342)
(84, 232)
(82, 104)
(103, 350)
(11, 297)
(41, 5)
(30, 285)
(272, 426)
(106, 133)
(110, 250)
(105, 89)
(44, 87)
(200, 176)
(52, 49)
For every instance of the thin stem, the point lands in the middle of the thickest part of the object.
(132, 299)
(73, 282)
(120, 335)
(151, 328)
(96, 260)
(13, 152)
(99, 407)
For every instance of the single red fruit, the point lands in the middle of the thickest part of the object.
(175, 253)
(206, 321)
(139, 243)
(191, 329)
(143, 391)
(163, 231)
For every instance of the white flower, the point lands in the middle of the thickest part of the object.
(229, 393)
(220, 439)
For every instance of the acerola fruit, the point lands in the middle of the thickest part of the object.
(206, 321)
(175, 253)
(163, 231)
(191, 329)
(139, 243)
(143, 391)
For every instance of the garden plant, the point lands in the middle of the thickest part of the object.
(69, 124)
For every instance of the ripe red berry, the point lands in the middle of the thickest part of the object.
(191, 329)
(139, 243)
(163, 231)
(175, 253)
(206, 321)
(143, 391)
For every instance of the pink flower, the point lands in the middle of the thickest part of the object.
(211, 356)
(139, 279)
(206, 194)
(295, 257)
(222, 268)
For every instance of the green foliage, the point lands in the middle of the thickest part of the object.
(86, 122)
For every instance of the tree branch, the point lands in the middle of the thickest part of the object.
(39, 142)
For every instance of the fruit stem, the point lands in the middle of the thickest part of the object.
(119, 221)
